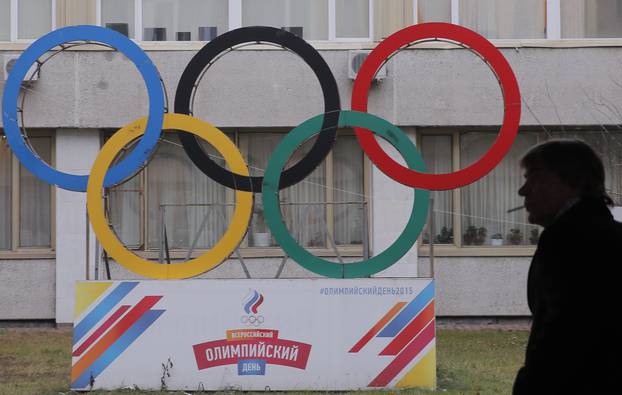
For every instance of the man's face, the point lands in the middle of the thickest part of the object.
(545, 194)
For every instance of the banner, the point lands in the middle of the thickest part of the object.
(257, 334)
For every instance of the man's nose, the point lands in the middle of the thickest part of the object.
(522, 190)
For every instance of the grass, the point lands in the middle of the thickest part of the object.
(37, 362)
(34, 362)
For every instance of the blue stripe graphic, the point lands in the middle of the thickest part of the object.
(409, 312)
(248, 305)
(116, 349)
(101, 310)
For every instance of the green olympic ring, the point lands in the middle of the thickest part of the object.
(272, 212)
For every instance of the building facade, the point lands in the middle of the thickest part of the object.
(566, 55)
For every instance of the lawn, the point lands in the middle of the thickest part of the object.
(469, 362)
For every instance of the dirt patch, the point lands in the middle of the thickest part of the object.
(483, 323)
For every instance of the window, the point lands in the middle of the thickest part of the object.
(307, 19)
(202, 20)
(437, 154)
(165, 20)
(485, 220)
(26, 19)
(434, 11)
(504, 18)
(5, 20)
(307, 221)
(171, 190)
(341, 20)
(608, 145)
(6, 186)
(344, 20)
(196, 210)
(34, 18)
(118, 15)
(183, 20)
(476, 215)
(25, 201)
(352, 18)
(591, 18)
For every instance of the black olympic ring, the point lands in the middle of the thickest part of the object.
(226, 41)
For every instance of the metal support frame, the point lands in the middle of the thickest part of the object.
(329, 235)
(164, 251)
(196, 240)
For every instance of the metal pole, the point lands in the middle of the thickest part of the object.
(332, 241)
(161, 234)
(431, 235)
(96, 259)
(108, 277)
(365, 233)
(168, 256)
(246, 272)
(107, 212)
(196, 237)
(280, 270)
(298, 238)
(87, 245)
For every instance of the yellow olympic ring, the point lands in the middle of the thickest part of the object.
(138, 265)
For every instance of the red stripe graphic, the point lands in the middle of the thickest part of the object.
(412, 329)
(103, 328)
(256, 305)
(404, 358)
(113, 334)
(376, 328)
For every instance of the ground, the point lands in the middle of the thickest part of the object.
(471, 360)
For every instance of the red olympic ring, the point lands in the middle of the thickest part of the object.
(495, 60)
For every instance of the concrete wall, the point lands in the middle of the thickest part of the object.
(27, 290)
(82, 91)
(268, 88)
(479, 286)
(483, 286)
(75, 152)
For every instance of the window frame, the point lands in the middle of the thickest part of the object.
(345, 250)
(332, 24)
(29, 252)
(14, 21)
(552, 26)
(235, 20)
(552, 17)
(457, 249)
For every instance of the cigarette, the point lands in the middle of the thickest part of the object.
(516, 209)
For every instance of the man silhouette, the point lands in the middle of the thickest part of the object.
(573, 288)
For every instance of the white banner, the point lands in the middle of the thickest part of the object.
(303, 334)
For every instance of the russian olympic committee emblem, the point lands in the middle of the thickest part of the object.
(251, 305)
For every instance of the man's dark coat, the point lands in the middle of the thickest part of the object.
(574, 291)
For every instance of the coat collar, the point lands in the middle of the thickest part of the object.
(586, 207)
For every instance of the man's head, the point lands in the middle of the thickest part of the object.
(557, 171)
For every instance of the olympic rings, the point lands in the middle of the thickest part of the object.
(496, 62)
(291, 247)
(149, 129)
(252, 320)
(212, 258)
(209, 53)
(150, 75)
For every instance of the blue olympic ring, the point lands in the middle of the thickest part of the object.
(145, 66)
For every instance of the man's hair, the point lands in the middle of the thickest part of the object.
(574, 162)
